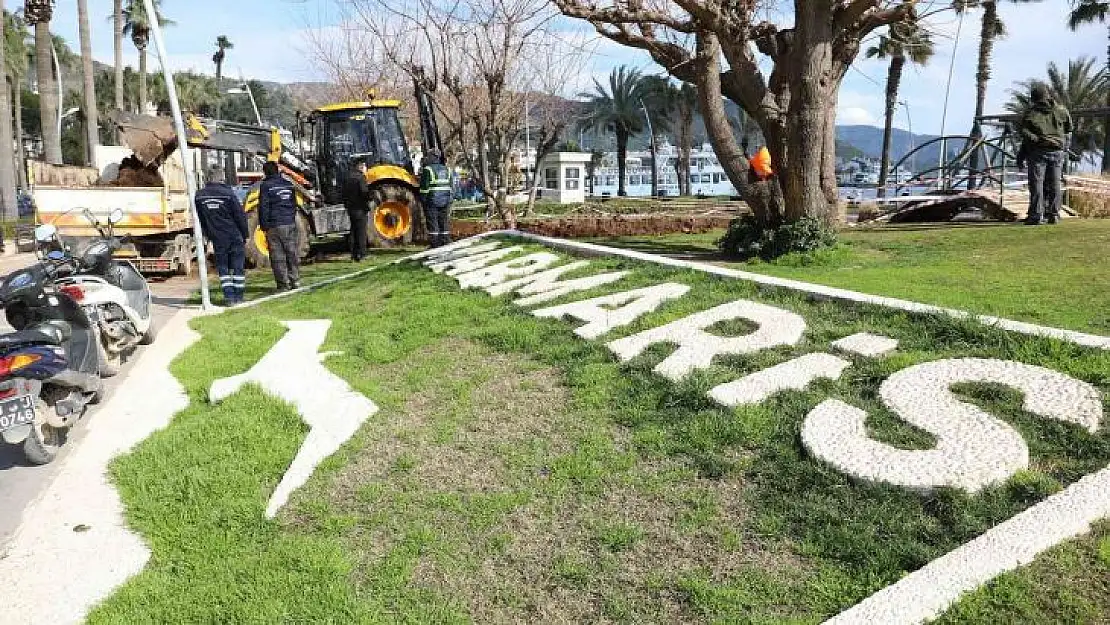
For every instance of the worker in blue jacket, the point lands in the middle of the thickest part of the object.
(436, 194)
(277, 216)
(224, 223)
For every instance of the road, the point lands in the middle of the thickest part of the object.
(20, 483)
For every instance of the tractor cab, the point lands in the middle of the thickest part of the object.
(370, 130)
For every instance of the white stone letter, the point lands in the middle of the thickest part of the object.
(442, 252)
(545, 286)
(464, 264)
(794, 374)
(601, 318)
(697, 348)
(973, 448)
(522, 266)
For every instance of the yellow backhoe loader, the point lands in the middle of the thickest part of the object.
(318, 162)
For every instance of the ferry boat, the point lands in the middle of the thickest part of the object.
(707, 177)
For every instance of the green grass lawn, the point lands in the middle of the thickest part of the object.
(1058, 276)
(517, 473)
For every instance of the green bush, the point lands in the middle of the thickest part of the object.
(747, 239)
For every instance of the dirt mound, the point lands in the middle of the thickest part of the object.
(132, 173)
(612, 226)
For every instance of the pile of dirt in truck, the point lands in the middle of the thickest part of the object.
(132, 173)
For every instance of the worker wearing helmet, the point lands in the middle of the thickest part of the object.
(224, 223)
(436, 194)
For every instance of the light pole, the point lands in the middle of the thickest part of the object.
(183, 148)
(913, 141)
(654, 155)
(245, 88)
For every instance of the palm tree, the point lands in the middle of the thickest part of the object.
(117, 41)
(660, 97)
(904, 41)
(92, 132)
(7, 164)
(223, 44)
(1089, 12)
(687, 106)
(992, 29)
(38, 13)
(1083, 85)
(137, 25)
(616, 110)
(16, 53)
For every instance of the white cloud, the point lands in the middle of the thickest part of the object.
(855, 116)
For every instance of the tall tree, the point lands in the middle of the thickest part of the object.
(617, 109)
(117, 42)
(1082, 85)
(904, 41)
(92, 117)
(661, 100)
(7, 164)
(16, 52)
(38, 14)
(137, 25)
(686, 107)
(794, 105)
(223, 44)
(991, 30)
(1089, 12)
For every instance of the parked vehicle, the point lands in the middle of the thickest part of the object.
(114, 294)
(50, 365)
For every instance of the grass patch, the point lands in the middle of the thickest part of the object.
(1056, 276)
(516, 473)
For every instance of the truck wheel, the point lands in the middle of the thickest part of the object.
(258, 253)
(393, 210)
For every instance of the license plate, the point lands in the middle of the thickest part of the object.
(16, 411)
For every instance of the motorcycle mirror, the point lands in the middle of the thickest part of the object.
(116, 216)
(46, 232)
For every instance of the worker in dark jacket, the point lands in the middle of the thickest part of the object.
(1044, 133)
(356, 199)
(436, 194)
(277, 216)
(224, 223)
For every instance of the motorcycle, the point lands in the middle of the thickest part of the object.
(115, 295)
(50, 365)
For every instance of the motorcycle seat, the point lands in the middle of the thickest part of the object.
(30, 337)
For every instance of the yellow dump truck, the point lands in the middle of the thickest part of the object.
(158, 218)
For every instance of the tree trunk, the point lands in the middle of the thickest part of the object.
(117, 34)
(622, 153)
(982, 77)
(48, 97)
(92, 117)
(219, 88)
(1106, 120)
(685, 146)
(20, 153)
(893, 79)
(142, 80)
(654, 167)
(7, 164)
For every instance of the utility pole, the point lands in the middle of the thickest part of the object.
(183, 147)
(654, 153)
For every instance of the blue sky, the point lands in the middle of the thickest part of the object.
(269, 40)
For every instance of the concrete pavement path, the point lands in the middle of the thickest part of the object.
(21, 483)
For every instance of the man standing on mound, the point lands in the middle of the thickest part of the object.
(1044, 130)
(224, 224)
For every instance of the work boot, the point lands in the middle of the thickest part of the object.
(1053, 220)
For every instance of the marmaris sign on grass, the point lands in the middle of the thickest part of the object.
(973, 449)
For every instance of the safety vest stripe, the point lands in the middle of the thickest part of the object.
(435, 184)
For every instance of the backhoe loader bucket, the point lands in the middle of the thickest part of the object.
(152, 139)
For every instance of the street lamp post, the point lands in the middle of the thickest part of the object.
(913, 141)
(183, 147)
(654, 153)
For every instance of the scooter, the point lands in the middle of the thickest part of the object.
(115, 295)
(50, 366)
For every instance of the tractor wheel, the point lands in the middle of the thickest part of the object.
(393, 210)
(258, 252)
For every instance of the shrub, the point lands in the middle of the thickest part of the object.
(1089, 205)
(747, 239)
